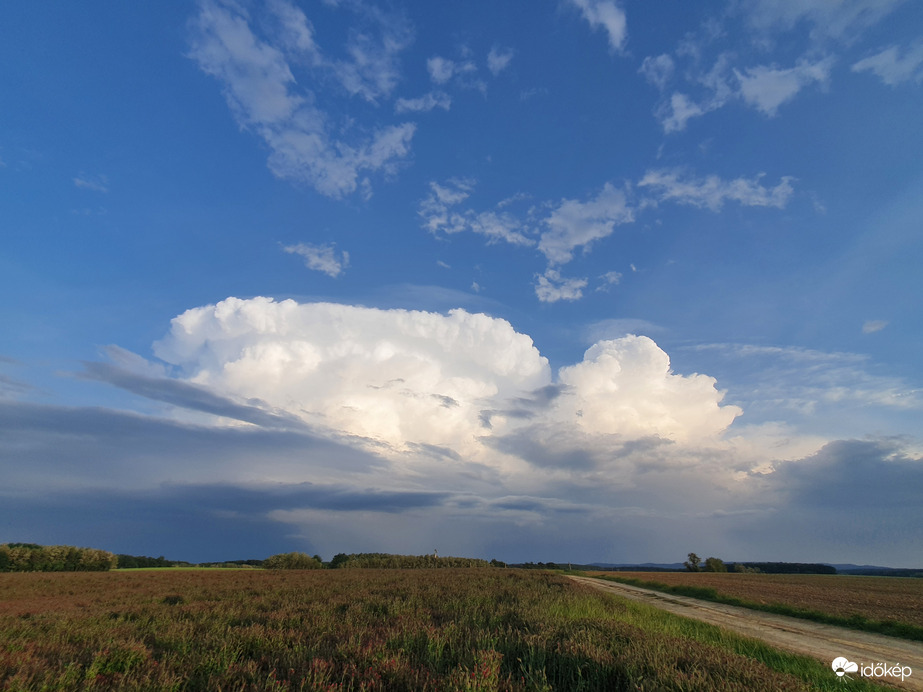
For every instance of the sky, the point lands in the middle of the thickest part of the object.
(545, 280)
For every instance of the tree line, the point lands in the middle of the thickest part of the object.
(714, 564)
(387, 561)
(31, 557)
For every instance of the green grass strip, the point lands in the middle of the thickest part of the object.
(819, 675)
(892, 628)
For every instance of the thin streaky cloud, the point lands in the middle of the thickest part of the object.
(551, 287)
(97, 183)
(894, 65)
(606, 15)
(712, 192)
(423, 104)
(322, 258)
(265, 97)
(498, 59)
(766, 88)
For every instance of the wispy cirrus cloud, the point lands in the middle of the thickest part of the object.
(606, 15)
(768, 87)
(440, 213)
(657, 70)
(763, 87)
(559, 229)
(895, 64)
(711, 192)
(551, 287)
(574, 223)
(778, 380)
(322, 258)
(443, 70)
(423, 104)
(842, 20)
(498, 59)
(94, 183)
(872, 326)
(257, 75)
(716, 65)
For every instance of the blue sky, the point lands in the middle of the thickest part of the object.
(578, 280)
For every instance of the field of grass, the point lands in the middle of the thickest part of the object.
(888, 605)
(468, 629)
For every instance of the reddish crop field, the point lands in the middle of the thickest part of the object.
(381, 630)
(876, 598)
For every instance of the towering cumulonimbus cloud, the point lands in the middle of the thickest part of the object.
(626, 386)
(407, 378)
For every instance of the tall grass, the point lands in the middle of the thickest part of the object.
(466, 629)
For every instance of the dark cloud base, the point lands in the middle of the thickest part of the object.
(136, 484)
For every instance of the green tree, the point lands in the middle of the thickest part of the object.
(338, 560)
(693, 563)
(291, 561)
(714, 564)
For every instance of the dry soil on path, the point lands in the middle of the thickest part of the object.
(823, 642)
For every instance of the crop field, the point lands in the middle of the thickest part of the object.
(470, 629)
(874, 598)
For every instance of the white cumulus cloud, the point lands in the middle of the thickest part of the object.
(626, 386)
(396, 376)
(447, 384)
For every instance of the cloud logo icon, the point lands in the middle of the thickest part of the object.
(841, 666)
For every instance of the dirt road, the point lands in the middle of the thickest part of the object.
(823, 642)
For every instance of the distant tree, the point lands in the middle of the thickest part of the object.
(714, 564)
(497, 563)
(693, 563)
(291, 561)
(338, 560)
(792, 567)
(137, 561)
